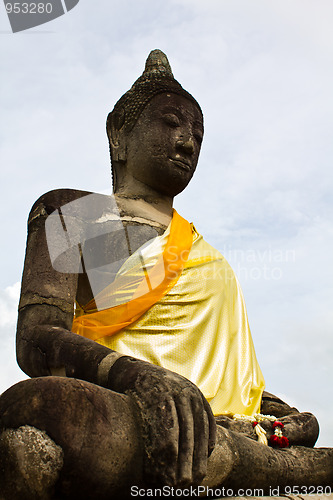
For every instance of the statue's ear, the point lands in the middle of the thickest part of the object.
(116, 134)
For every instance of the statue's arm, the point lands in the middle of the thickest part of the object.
(45, 343)
(176, 420)
(46, 346)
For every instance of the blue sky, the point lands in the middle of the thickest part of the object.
(263, 73)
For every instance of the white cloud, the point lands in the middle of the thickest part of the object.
(8, 305)
(10, 372)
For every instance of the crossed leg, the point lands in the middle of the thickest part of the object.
(97, 431)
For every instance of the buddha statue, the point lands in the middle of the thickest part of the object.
(134, 332)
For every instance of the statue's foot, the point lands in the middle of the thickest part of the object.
(30, 463)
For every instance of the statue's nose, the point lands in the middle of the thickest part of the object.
(186, 146)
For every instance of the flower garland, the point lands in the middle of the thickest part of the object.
(276, 440)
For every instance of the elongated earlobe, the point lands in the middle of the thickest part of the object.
(116, 135)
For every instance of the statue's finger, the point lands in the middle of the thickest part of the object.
(186, 441)
(162, 446)
(212, 426)
(201, 437)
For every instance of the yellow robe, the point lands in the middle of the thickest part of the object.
(199, 329)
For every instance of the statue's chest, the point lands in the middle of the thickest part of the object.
(105, 246)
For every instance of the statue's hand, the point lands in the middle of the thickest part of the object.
(177, 423)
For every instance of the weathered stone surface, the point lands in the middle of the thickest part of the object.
(98, 431)
(262, 467)
(30, 463)
(95, 428)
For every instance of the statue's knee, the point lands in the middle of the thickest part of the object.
(302, 429)
(272, 405)
(30, 463)
(29, 402)
(75, 415)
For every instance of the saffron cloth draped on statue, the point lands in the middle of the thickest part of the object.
(177, 303)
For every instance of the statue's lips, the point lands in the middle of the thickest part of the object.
(181, 163)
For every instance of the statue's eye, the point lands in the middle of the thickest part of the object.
(171, 119)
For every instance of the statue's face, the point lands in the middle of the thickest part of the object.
(163, 147)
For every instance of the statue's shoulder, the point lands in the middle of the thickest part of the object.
(53, 200)
(69, 200)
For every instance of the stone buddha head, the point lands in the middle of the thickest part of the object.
(155, 132)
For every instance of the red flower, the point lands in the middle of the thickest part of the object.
(274, 440)
(281, 442)
(277, 424)
(284, 442)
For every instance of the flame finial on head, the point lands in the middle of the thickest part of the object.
(157, 62)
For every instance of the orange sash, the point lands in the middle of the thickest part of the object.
(160, 279)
